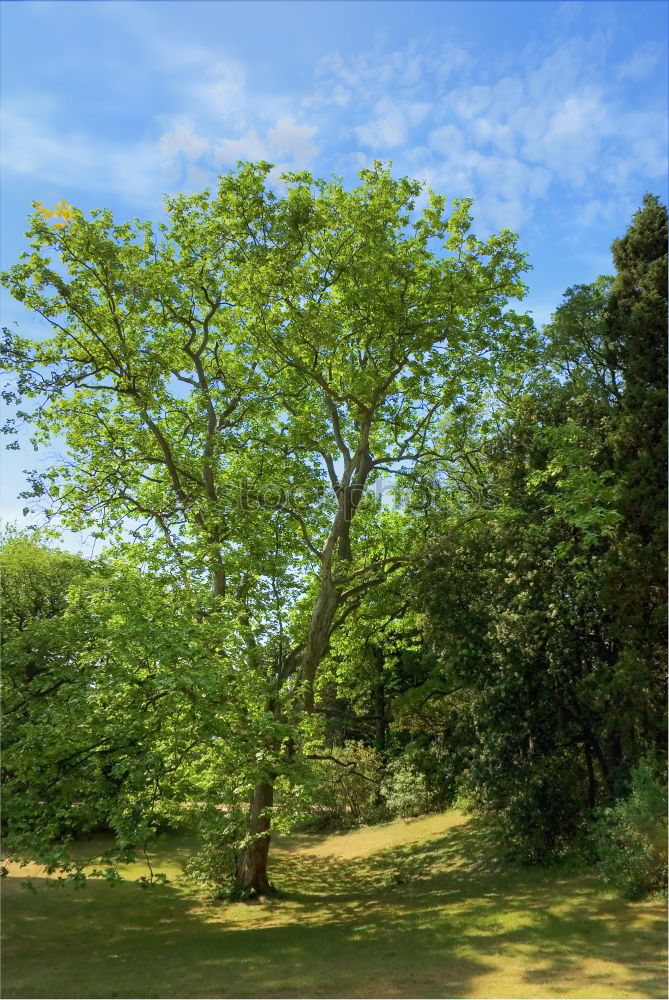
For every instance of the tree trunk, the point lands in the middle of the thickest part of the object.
(318, 636)
(252, 862)
(379, 699)
(327, 601)
(592, 781)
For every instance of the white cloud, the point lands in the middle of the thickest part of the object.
(391, 123)
(293, 140)
(371, 76)
(417, 111)
(597, 210)
(332, 65)
(382, 133)
(495, 133)
(222, 93)
(468, 102)
(500, 131)
(569, 136)
(245, 147)
(512, 178)
(645, 135)
(509, 189)
(504, 188)
(412, 71)
(451, 59)
(336, 95)
(505, 140)
(286, 140)
(448, 140)
(641, 63)
(645, 150)
(566, 15)
(182, 139)
(196, 178)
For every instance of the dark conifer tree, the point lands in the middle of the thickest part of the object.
(636, 585)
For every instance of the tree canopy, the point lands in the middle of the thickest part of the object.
(231, 383)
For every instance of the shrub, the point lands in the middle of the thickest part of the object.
(631, 837)
(405, 787)
(349, 786)
(536, 804)
(215, 864)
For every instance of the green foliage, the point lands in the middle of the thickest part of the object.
(635, 592)
(349, 787)
(511, 608)
(230, 386)
(116, 702)
(631, 836)
(43, 645)
(547, 610)
(215, 864)
(535, 803)
(405, 788)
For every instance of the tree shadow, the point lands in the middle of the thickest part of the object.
(431, 919)
(563, 922)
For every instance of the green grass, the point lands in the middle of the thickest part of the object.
(410, 909)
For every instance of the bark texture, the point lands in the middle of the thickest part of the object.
(252, 862)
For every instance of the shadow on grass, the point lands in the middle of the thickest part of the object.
(425, 920)
(561, 921)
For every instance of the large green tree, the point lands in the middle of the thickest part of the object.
(237, 378)
(611, 339)
(636, 589)
(551, 612)
(515, 618)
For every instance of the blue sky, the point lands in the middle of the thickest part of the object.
(553, 116)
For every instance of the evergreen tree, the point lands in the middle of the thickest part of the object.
(636, 589)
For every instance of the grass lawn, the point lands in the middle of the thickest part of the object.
(409, 909)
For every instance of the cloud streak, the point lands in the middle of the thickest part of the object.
(33, 146)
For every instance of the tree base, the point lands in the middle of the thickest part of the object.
(246, 894)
